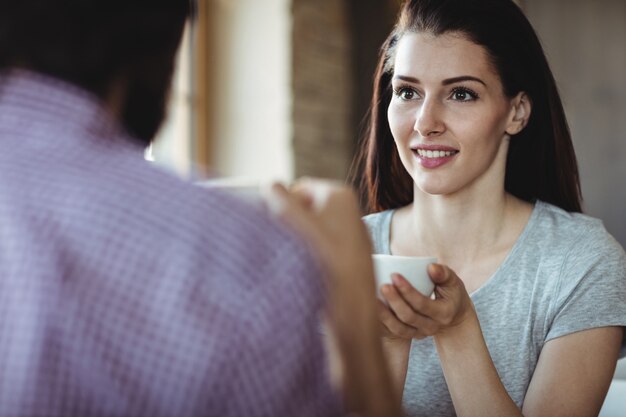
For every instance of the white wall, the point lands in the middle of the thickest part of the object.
(252, 65)
(171, 146)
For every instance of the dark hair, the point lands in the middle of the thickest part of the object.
(92, 43)
(541, 164)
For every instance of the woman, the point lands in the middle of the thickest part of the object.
(469, 159)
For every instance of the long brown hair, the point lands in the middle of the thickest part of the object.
(541, 164)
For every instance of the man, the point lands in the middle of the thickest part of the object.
(124, 291)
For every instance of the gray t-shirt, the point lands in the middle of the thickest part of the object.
(564, 274)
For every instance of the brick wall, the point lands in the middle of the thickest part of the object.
(335, 45)
(322, 87)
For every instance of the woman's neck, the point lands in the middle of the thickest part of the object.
(461, 229)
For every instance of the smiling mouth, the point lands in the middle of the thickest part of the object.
(423, 153)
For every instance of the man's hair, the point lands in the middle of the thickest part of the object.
(93, 43)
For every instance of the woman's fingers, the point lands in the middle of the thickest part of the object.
(393, 327)
(411, 312)
(415, 299)
(449, 304)
(406, 314)
(445, 279)
(453, 300)
(439, 274)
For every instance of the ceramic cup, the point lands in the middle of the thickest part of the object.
(413, 268)
(246, 189)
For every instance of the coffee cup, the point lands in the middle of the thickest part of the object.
(248, 190)
(413, 268)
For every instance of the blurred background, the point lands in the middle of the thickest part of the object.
(277, 89)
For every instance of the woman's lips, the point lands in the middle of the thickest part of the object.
(434, 157)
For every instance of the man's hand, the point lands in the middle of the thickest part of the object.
(327, 216)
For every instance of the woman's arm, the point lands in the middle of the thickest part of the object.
(472, 379)
(571, 377)
(573, 374)
(471, 376)
(397, 355)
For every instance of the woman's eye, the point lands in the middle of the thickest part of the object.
(406, 93)
(463, 94)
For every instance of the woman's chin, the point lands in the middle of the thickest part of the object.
(430, 188)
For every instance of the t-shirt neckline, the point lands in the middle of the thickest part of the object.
(510, 257)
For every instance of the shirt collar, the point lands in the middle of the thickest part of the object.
(42, 99)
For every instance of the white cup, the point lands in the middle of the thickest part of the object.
(246, 189)
(413, 268)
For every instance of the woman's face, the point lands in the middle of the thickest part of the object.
(449, 115)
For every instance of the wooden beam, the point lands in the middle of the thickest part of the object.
(201, 102)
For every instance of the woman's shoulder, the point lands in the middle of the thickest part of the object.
(564, 225)
(378, 227)
(377, 218)
(582, 269)
(575, 235)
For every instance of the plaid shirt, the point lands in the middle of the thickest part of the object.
(126, 292)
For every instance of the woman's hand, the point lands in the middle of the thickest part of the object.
(412, 315)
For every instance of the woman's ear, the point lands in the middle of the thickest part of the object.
(520, 113)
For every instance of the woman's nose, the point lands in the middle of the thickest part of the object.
(428, 118)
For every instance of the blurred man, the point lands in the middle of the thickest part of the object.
(124, 291)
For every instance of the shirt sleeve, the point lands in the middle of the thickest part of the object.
(281, 363)
(378, 227)
(592, 287)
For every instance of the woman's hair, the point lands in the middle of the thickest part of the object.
(93, 43)
(541, 164)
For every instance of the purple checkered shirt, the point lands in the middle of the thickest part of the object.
(126, 292)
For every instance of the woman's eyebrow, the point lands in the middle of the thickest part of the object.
(454, 80)
(407, 79)
(447, 81)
